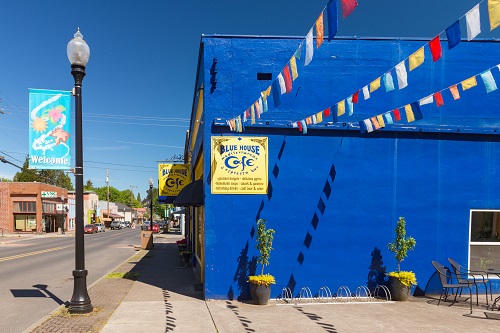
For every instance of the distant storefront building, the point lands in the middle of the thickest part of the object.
(32, 207)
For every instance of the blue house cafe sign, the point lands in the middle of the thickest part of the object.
(239, 165)
(172, 179)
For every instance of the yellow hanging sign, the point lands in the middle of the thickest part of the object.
(239, 165)
(172, 178)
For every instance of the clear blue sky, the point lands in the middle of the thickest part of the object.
(138, 91)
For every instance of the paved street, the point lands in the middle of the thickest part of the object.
(36, 272)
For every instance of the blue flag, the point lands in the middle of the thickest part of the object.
(453, 35)
(333, 22)
(49, 129)
(276, 93)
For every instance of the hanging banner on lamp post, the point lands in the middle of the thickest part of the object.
(49, 129)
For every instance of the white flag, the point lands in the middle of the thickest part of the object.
(281, 81)
(402, 75)
(366, 92)
(473, 23)
(427, 100)
(309, 47)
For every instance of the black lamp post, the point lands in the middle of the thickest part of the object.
(78, 54)
(151, 202)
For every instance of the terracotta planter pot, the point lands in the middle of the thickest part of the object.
(260, 293)
(399, 292)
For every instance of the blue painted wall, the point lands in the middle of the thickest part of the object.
(335, 194)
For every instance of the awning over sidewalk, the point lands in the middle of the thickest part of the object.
(190, 195)
(113, 215)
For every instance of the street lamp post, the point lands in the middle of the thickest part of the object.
(78, 55)
(151, 202)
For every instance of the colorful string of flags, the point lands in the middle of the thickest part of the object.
(283, 83)
(412, 111)
(415, 60)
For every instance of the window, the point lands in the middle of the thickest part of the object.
(25, 222)
(484, 245)
(24, 207)
(48, 207)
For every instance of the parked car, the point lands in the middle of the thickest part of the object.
(100, 227)
(156, 228)
(145, 226)
(115, 225)
(90, 229)
(128, 224)
(123, 224)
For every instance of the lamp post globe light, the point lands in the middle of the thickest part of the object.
(78, 54)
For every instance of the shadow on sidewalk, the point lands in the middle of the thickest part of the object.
(163, 268)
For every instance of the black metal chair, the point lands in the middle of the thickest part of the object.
(476, 277)
(446, 277)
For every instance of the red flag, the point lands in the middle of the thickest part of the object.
(299, 125)
(397, 115)
(439, 99)
(348, 7)
(288, 79)
(247, 113)
(326, 112)
(355, 97)
(435, 46)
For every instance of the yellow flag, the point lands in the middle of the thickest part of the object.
(375, 84)
(469, 83)
(309, 120)
(494, 12)
(319, 117)
(293, 67)
(267, 92)
(381, 120)
(409, 113)
(340, 108)
(417, 58)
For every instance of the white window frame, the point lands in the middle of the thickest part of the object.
(490, 276)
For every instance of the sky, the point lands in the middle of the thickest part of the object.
(138, 92)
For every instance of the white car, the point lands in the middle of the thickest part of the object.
(100, 227)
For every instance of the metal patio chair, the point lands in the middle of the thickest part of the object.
(446, 277)
(473, 277)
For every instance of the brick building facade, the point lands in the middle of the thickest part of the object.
(32, 207)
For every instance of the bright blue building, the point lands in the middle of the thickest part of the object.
(334, 194)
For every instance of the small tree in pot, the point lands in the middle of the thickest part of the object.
(401, 281)
(260, 285)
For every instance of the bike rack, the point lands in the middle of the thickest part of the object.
(386, 291)
(324, 293)
(365, 291)
(340, 293)
(343, 295)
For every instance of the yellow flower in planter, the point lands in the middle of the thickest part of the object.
(407, 278)
(263, 279)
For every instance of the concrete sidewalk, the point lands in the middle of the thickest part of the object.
(163, 299)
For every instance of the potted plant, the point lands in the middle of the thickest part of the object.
(260, 285)
(186, 257)
(400, 282)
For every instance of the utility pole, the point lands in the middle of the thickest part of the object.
(107, 184)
